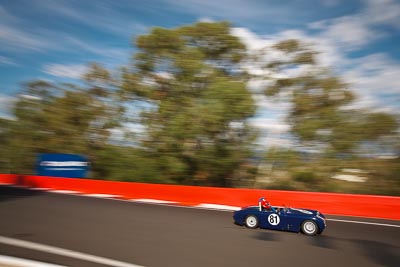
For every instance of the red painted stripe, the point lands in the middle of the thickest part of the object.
(329, 203)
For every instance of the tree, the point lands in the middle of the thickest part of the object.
(322, 118)
(320, 112)
(53, 118)
(196, 125)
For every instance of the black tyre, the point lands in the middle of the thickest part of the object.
(309, 227)
(251, 222)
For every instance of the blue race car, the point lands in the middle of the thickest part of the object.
(309, 222)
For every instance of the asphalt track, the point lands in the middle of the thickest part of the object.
(155, 235)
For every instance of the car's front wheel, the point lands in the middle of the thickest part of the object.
(309, 227)
(251, 221)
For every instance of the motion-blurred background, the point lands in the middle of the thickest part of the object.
(259, 94)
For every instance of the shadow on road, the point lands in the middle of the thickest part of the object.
(267, 236)
(11, 193)
(380, 253)
(323, 241)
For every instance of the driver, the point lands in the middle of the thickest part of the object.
(263, 203)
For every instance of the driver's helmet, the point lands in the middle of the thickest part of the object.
(265, 203)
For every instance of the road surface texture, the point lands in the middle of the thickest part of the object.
(155, 235)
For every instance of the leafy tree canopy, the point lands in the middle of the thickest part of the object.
(192, 75)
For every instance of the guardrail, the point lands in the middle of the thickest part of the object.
(372, 206)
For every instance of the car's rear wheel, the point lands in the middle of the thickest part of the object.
(251, 221)
(309, 227)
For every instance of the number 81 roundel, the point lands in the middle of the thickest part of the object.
(274, 219)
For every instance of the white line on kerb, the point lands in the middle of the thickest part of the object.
(12, 261)
(64, 252)
(102, 195)
(152, 201)
(371, 223)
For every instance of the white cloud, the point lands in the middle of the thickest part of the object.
(352, 32)
(269, 141)
(14, 34)
(13, 39)
(272, 125)
(18, 33)
(206, 20)
(371, 76)
(251, 40)
(348, 32)
(6, 103)
(374, 79)
(72, 71)
(268, 105)
(274, 132)
(108, 54)
(227, 9)
(376, 72)
(7, 61)
(383, 12)
(101, 16)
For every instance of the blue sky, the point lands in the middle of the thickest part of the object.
(55, 39)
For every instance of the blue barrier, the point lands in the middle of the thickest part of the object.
(62, 165)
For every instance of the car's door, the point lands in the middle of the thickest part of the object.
(273, 219)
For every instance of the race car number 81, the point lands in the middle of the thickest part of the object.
(274, 219)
